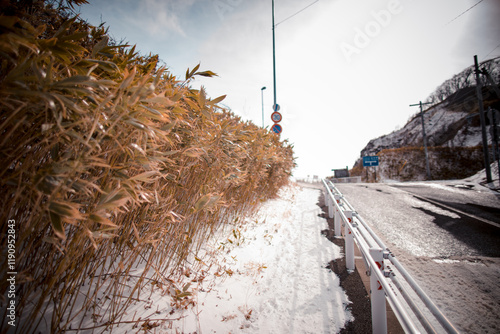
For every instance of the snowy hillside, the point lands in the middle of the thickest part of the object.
(453, 133)
(442, 125)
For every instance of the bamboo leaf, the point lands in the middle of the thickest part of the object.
(102, 220)
(214, 199)
(183, 294)
(217, 100)
(147, 177)
(103, 235)
(57, 225)
(189, 74)
(194, 152)
(154, 113)
(100, 45)
(138, 148)
(107, 66)
(206, 74)
(129, 77)
(74, 80)
(202, 202)
(164, 101)
(74, 37)
(202, 97)
(168, 127)
(136, 233)
(114, 200)
(65, 209)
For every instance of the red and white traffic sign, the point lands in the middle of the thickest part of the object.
(276, 128)
(276, 117)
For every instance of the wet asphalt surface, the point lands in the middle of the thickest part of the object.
(431, 219)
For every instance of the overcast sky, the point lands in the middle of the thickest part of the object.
(347, 70)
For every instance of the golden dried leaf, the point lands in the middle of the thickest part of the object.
(147, 177)
(57, 225)
(65, 209)
(102, 220)
(194, 152)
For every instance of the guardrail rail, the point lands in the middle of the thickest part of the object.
(389, 280)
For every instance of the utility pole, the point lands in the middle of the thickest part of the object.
(494, 120)
(483, 121)
(427, 167)
(492, 113)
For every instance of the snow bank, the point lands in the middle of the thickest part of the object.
(271, 277)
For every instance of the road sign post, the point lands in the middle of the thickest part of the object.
(276, 118)
(370, 161)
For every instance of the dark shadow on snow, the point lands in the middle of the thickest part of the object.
(482, 237)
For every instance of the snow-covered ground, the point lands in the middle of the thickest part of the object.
(270, 278)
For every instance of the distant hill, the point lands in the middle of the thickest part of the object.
(452, 129)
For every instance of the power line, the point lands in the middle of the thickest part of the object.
(303, 9)
(465, 11)
(496, 47)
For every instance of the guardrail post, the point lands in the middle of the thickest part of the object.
(336, 222)
(349, 243)
(330, 207)
(379, 314)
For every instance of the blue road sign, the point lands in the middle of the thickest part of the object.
(370, 161)
(276, 107)
(276, 128)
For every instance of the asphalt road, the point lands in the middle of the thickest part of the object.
(448, 236)
(431, 219)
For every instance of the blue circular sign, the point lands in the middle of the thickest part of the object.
(276, 128)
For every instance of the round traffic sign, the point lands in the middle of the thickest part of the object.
(276, 117)
(276, 128)
(276, 107)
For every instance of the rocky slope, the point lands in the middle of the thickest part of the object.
(454, 141)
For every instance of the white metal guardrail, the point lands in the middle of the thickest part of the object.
(389, 280)
(351, 179)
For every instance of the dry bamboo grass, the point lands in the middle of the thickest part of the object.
(110, 161)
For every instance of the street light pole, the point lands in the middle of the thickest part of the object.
(427, 167)
(274, 59)
(262, 93)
